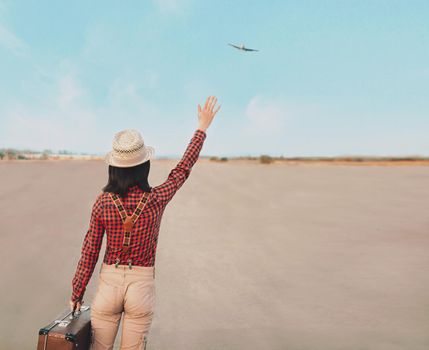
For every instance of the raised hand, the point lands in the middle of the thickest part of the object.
(206, 114)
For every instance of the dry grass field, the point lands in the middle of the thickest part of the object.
(250, 256)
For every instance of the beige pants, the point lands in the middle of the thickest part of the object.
(128, 291)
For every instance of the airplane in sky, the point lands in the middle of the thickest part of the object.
(242, 47)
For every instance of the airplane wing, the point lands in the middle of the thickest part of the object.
(246, 49)
(237, 47)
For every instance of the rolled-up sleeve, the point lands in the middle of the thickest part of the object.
(182, 170)
(90, 251)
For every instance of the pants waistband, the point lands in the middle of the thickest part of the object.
(137, 270)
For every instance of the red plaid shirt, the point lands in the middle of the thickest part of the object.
(105, 218)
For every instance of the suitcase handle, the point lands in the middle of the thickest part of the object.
(75, 314)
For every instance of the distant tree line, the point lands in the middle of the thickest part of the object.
(13, 153)
(267, 159)
(264, 159)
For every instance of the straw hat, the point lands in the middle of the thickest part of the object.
(128, 149)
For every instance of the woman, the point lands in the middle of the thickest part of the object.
(130, 213)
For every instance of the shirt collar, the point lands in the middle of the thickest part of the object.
(136, 188)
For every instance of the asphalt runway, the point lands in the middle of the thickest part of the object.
(250, 256)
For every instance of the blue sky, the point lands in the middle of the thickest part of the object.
(331, 77)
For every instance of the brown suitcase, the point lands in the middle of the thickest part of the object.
(68, 331)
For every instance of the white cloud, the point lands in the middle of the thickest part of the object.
(66, 116)
(63, 121)
(12, 42)
(172, 6)
(26, 128)
(69, 91)
(97, 47)
(125, 98)
(265, 115)
(8, 39)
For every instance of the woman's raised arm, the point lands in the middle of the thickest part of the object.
(182, 170)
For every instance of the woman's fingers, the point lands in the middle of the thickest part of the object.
(75, 305)
(207, 102)
(209, 105)
(217, 109)
(213, 103)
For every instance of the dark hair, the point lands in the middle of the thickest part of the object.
(121, 179)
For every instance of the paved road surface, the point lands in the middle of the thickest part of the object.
(250, 256)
